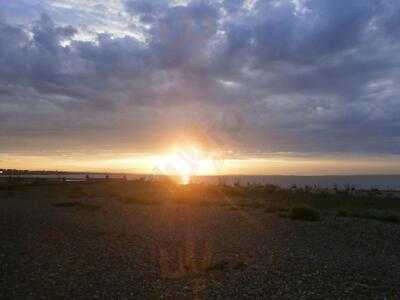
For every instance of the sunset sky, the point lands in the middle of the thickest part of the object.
(242, 87)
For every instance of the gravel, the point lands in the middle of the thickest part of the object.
(190, 252)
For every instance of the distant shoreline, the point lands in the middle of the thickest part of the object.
(381, 182)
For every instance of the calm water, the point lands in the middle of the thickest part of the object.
(385, 182)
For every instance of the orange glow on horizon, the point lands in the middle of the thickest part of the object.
(185, 162)
(205, 163)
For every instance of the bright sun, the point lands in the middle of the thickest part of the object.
(185, 162)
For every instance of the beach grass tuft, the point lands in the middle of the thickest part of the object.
(305, 213)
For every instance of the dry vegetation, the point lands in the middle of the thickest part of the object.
(296, 203)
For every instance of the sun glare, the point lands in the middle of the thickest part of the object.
(185, 162)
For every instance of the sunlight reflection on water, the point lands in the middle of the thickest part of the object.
(185, 179)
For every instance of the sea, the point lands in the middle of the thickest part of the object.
(381, 182)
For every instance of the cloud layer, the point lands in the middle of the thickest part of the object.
(301, 76)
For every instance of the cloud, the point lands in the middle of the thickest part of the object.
(274, 76)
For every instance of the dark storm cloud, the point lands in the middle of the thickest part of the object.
(267, 76)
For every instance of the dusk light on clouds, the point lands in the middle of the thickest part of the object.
(299, 87)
